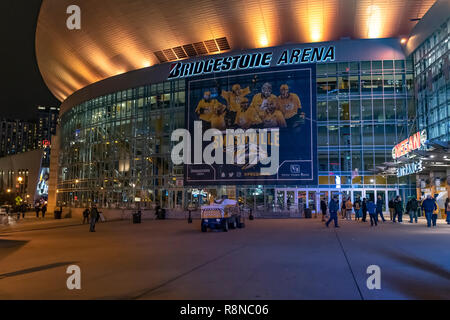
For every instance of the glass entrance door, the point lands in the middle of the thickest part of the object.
(290, 199)
(370, 195)
(312, 201)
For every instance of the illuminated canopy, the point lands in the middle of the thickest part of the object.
(118, 36)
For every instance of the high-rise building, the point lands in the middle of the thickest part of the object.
(47, 122)
(17, 136)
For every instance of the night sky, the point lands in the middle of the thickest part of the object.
(22, 85)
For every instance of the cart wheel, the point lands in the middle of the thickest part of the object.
(225, 226)
(204, 228)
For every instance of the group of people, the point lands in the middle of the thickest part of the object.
(40, 207)
(266, 110)
(92, 216)
(375, 209)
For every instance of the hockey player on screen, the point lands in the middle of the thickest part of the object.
(247, 116)
(289, 104)
(235, 96)
(205, 108)
(260, 100)
(217, 118)
(273, 118)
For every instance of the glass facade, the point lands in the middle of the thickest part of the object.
(116, 148)
(431, 67)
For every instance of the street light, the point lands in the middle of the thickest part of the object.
(8, 190)
(20, 179)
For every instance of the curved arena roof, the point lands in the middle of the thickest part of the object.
(118, 36)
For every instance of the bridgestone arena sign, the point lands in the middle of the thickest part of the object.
(251, 61)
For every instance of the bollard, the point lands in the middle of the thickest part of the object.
(250, 217)
(190, 217)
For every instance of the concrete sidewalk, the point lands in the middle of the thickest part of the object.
(32, 223)
(269, 259)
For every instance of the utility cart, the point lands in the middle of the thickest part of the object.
(223, 214)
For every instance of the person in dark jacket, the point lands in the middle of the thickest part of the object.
(429, 205)
(333, 207)
(380, 208)
(411, 208)
(364, 209)
(372, 208)
(447, 210)
(23, 209)
(44, 210)
(37, 208)
(323, 208)
(86, 215)
(94, 215)
(398, 209)
(391, 209)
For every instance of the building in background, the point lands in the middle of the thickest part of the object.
(429, 48)
(118, 113)
(17, 136)
(21, 175)
(46, 124)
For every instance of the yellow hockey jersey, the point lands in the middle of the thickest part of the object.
(274, 120)
(205, 109)
(233, 100)
(248, 118)
(290, 105)
(260, 103)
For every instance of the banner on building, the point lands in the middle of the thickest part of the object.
(259, 120)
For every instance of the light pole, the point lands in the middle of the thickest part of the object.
(20, 181)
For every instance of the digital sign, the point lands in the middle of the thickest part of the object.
(410, 168)
(254, 127)
(414, 142)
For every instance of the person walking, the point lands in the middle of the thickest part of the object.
(323, 208)
(364, 209)
(411, 208)
(44, 210)
(333, 207)
(357, 208)
(343, 210)
(435, 212)
(348, 209)
(398, 209)
(23, 208)
(391, 209)
(94, 216)
(86, 214)
(372, 208)
(380, 208)
(429, 205)
(37, 208)
(447, 210)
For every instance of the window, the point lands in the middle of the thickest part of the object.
(366, 109)
(355, 110)
(378, 111)
(332, 110)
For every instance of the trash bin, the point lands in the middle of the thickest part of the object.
(137, 217)
(308, 214)
(58, 214)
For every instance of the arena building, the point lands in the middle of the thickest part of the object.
(336, 80)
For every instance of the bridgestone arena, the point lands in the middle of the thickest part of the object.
(339, 103)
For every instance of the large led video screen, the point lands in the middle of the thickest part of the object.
(253, 117)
